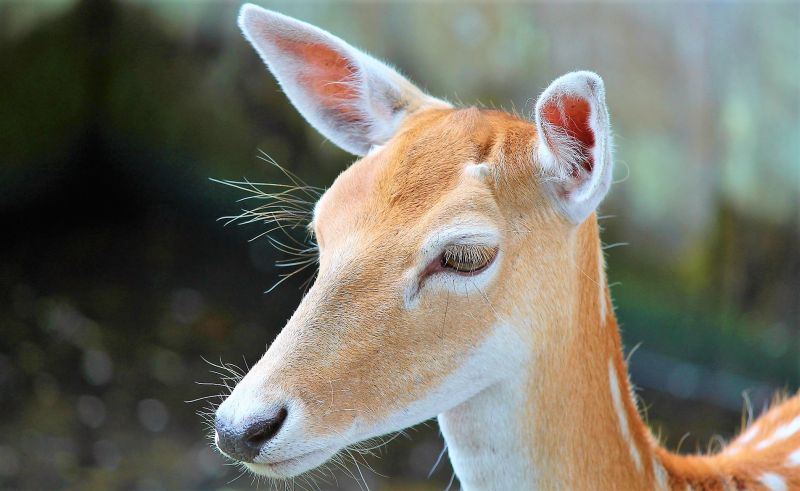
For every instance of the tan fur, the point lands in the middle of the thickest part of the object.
(353, 313)
(353, 353)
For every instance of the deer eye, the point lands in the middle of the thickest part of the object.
(467, 259)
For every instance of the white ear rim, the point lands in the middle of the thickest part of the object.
(376, 80)
(585, 197)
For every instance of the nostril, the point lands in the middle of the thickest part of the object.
(263, 431)
(244, 444)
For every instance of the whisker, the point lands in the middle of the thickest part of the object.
(283, 208)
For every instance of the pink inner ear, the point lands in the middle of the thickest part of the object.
(571, 114)
(328, 76)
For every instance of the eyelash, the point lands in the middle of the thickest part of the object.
(466, 259)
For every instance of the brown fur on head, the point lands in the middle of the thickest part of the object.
(377, 332)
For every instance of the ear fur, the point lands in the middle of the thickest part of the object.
(350, 97)
(575, 142)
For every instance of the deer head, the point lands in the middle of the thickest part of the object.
(442, 251)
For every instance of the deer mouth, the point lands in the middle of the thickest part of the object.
(293, 466)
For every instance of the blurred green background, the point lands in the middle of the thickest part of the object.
(116, 277)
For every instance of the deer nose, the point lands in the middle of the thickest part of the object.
(245, 443)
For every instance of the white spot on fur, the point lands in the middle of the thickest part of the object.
(601, 279)
(660, 474)
(794, 459)
(736, 446)
(619, 407)
(748, 435)
(773, 481)
(478, 171)
(781, 433)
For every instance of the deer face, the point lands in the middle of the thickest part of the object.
(424, 245)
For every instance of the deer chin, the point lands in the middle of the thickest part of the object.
(294, 466)
(294, 451)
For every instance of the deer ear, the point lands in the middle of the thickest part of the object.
(350, 97)
(575, 142)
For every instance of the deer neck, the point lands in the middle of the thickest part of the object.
(567, 420)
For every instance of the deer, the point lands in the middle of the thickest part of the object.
(461, 277)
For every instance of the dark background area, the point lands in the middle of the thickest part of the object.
(116, 277)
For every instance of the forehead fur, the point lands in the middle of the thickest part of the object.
(422, 163)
